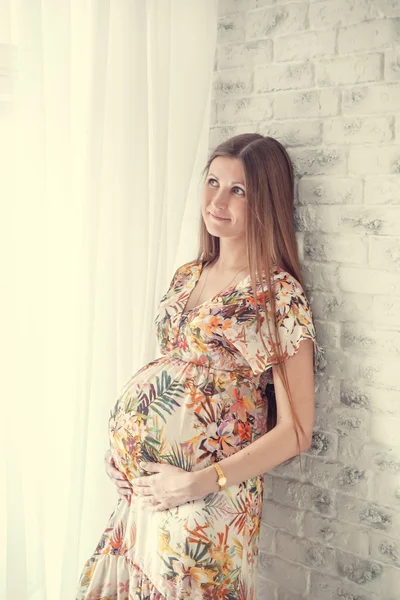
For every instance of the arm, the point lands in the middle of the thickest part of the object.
(279, 444)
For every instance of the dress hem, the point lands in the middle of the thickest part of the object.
(138, 585)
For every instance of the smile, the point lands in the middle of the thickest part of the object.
(218, 218)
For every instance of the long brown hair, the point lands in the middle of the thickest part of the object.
(270, 232)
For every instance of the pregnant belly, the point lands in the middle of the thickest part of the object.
(132, 426)
(171, 412)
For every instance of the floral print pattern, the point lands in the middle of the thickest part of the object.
(200, 402)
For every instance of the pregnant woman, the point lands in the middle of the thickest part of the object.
(193, 432)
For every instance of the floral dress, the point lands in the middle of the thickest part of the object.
(200, 402)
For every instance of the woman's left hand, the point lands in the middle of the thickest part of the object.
(167, 487)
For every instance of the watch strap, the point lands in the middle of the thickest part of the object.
(220, 475)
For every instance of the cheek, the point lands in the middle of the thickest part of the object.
(206, 195)
(206, 198)
(241, 208)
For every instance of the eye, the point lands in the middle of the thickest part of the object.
(234, 188)
(238, 188)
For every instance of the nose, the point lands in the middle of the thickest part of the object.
(220, 201)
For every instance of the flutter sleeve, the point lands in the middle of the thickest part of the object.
(295, 323)
(167, 305)
(171, 287)
(178, 281)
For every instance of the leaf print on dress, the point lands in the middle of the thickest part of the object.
(161, 397)
(178, 458)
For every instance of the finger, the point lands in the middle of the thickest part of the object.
(124, 492)
(116, 477)
(108, 457)
(142, 485)
(123, 495)
(123, 485)
(119, 479)
(123, 481)
(115, 473)
(127, 497)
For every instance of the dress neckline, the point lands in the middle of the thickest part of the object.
(194, 280)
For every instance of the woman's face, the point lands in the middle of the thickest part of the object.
(224, 195)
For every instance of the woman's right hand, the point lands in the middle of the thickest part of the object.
(119, 479)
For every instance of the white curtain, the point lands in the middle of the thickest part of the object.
(104, 125)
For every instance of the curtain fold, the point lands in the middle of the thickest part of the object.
(104, 132)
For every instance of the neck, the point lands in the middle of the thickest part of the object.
(232, 255)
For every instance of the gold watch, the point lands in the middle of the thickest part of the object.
(221, 477)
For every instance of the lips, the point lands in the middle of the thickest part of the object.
(219, 218)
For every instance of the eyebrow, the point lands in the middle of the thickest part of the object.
(232, 182)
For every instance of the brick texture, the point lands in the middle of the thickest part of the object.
(323, 77)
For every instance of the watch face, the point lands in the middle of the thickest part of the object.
(222, 481)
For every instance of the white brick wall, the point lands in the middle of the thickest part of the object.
(323, 77)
